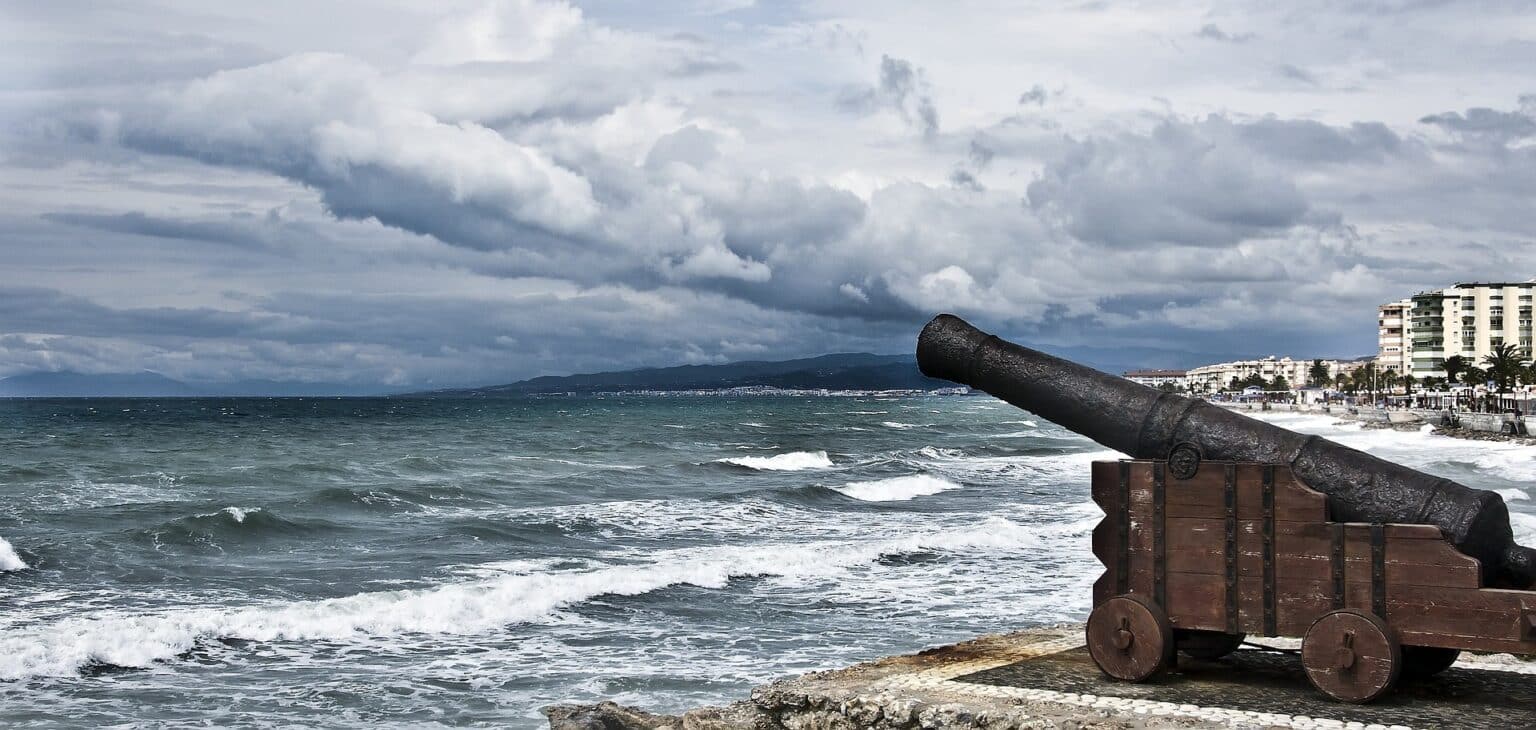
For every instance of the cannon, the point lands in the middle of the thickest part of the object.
(1220, 526)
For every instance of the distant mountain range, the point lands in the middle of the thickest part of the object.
(844, 371)
(148, 384)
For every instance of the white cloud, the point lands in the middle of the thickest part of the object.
(821, 177)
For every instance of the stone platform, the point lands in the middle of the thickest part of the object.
(1043, 678)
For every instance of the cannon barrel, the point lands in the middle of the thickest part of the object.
(1147, 423)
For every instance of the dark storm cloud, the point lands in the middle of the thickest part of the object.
(1196, 184)
(963, 179)
(1036, 96)
(1211, 31)
(900, 88)
(1482, 122)
(1307, 141)
(41, 310)
(140, 224)
(1297, 73)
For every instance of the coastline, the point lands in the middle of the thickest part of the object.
(1043, 678)
(1474, 426)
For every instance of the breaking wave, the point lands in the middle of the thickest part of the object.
(9, 560)
(792, 461)
(897, 489)
(136, 640)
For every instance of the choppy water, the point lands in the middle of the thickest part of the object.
(346, 562)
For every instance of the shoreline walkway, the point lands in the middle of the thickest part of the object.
(1043, 678)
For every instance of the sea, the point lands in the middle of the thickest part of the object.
(420, 562)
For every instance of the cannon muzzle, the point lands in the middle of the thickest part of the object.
(1146, 423)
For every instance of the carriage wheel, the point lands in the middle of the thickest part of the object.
(1427, 661)
(1351, 656)
(1207, 645)
(1130, 639)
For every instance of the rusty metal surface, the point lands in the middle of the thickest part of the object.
(1255, 681)
(1147, 423)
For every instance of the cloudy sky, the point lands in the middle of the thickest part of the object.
(427, 193)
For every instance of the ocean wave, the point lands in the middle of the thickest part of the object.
(9, 560)
(899, 425)
(897, 489)
(235, 513)
(1511, 495)
(792, 461)
(136, 640)
(231, 525)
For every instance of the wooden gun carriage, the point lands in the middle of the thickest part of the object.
(1197, 561)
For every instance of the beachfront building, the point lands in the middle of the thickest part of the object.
(1158, 378)
(1392, 345)
(1214, 378)
(1466, 319)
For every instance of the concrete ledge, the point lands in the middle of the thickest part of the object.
(1042, 678)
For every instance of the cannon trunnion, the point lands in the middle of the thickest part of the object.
(1195, 562)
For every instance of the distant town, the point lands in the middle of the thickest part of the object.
(1449, 341)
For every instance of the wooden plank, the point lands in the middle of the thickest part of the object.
(1105, 481)
(1306, 551)
(1320, 567)
(1204, 495)
(1476, 618)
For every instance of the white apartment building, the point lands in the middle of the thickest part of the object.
(1213, 378)
(1466, 319)
(1392, 346)
(1157, 378)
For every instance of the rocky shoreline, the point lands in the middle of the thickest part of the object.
(1460, 433)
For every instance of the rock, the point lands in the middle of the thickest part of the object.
(736, 716)
(608, 716)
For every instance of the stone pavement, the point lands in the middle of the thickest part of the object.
(1043, 678)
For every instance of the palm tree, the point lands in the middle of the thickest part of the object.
(1453, 366)
(1474, 376)
(1503, 365)
(1318, 374)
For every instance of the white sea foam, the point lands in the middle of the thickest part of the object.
(136, 639)
(9, 560)
(1524, 526)
(897, 489)
(238, 514)
(1025, 422)
(792, 461)
(898, 425)
(1511, 495)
